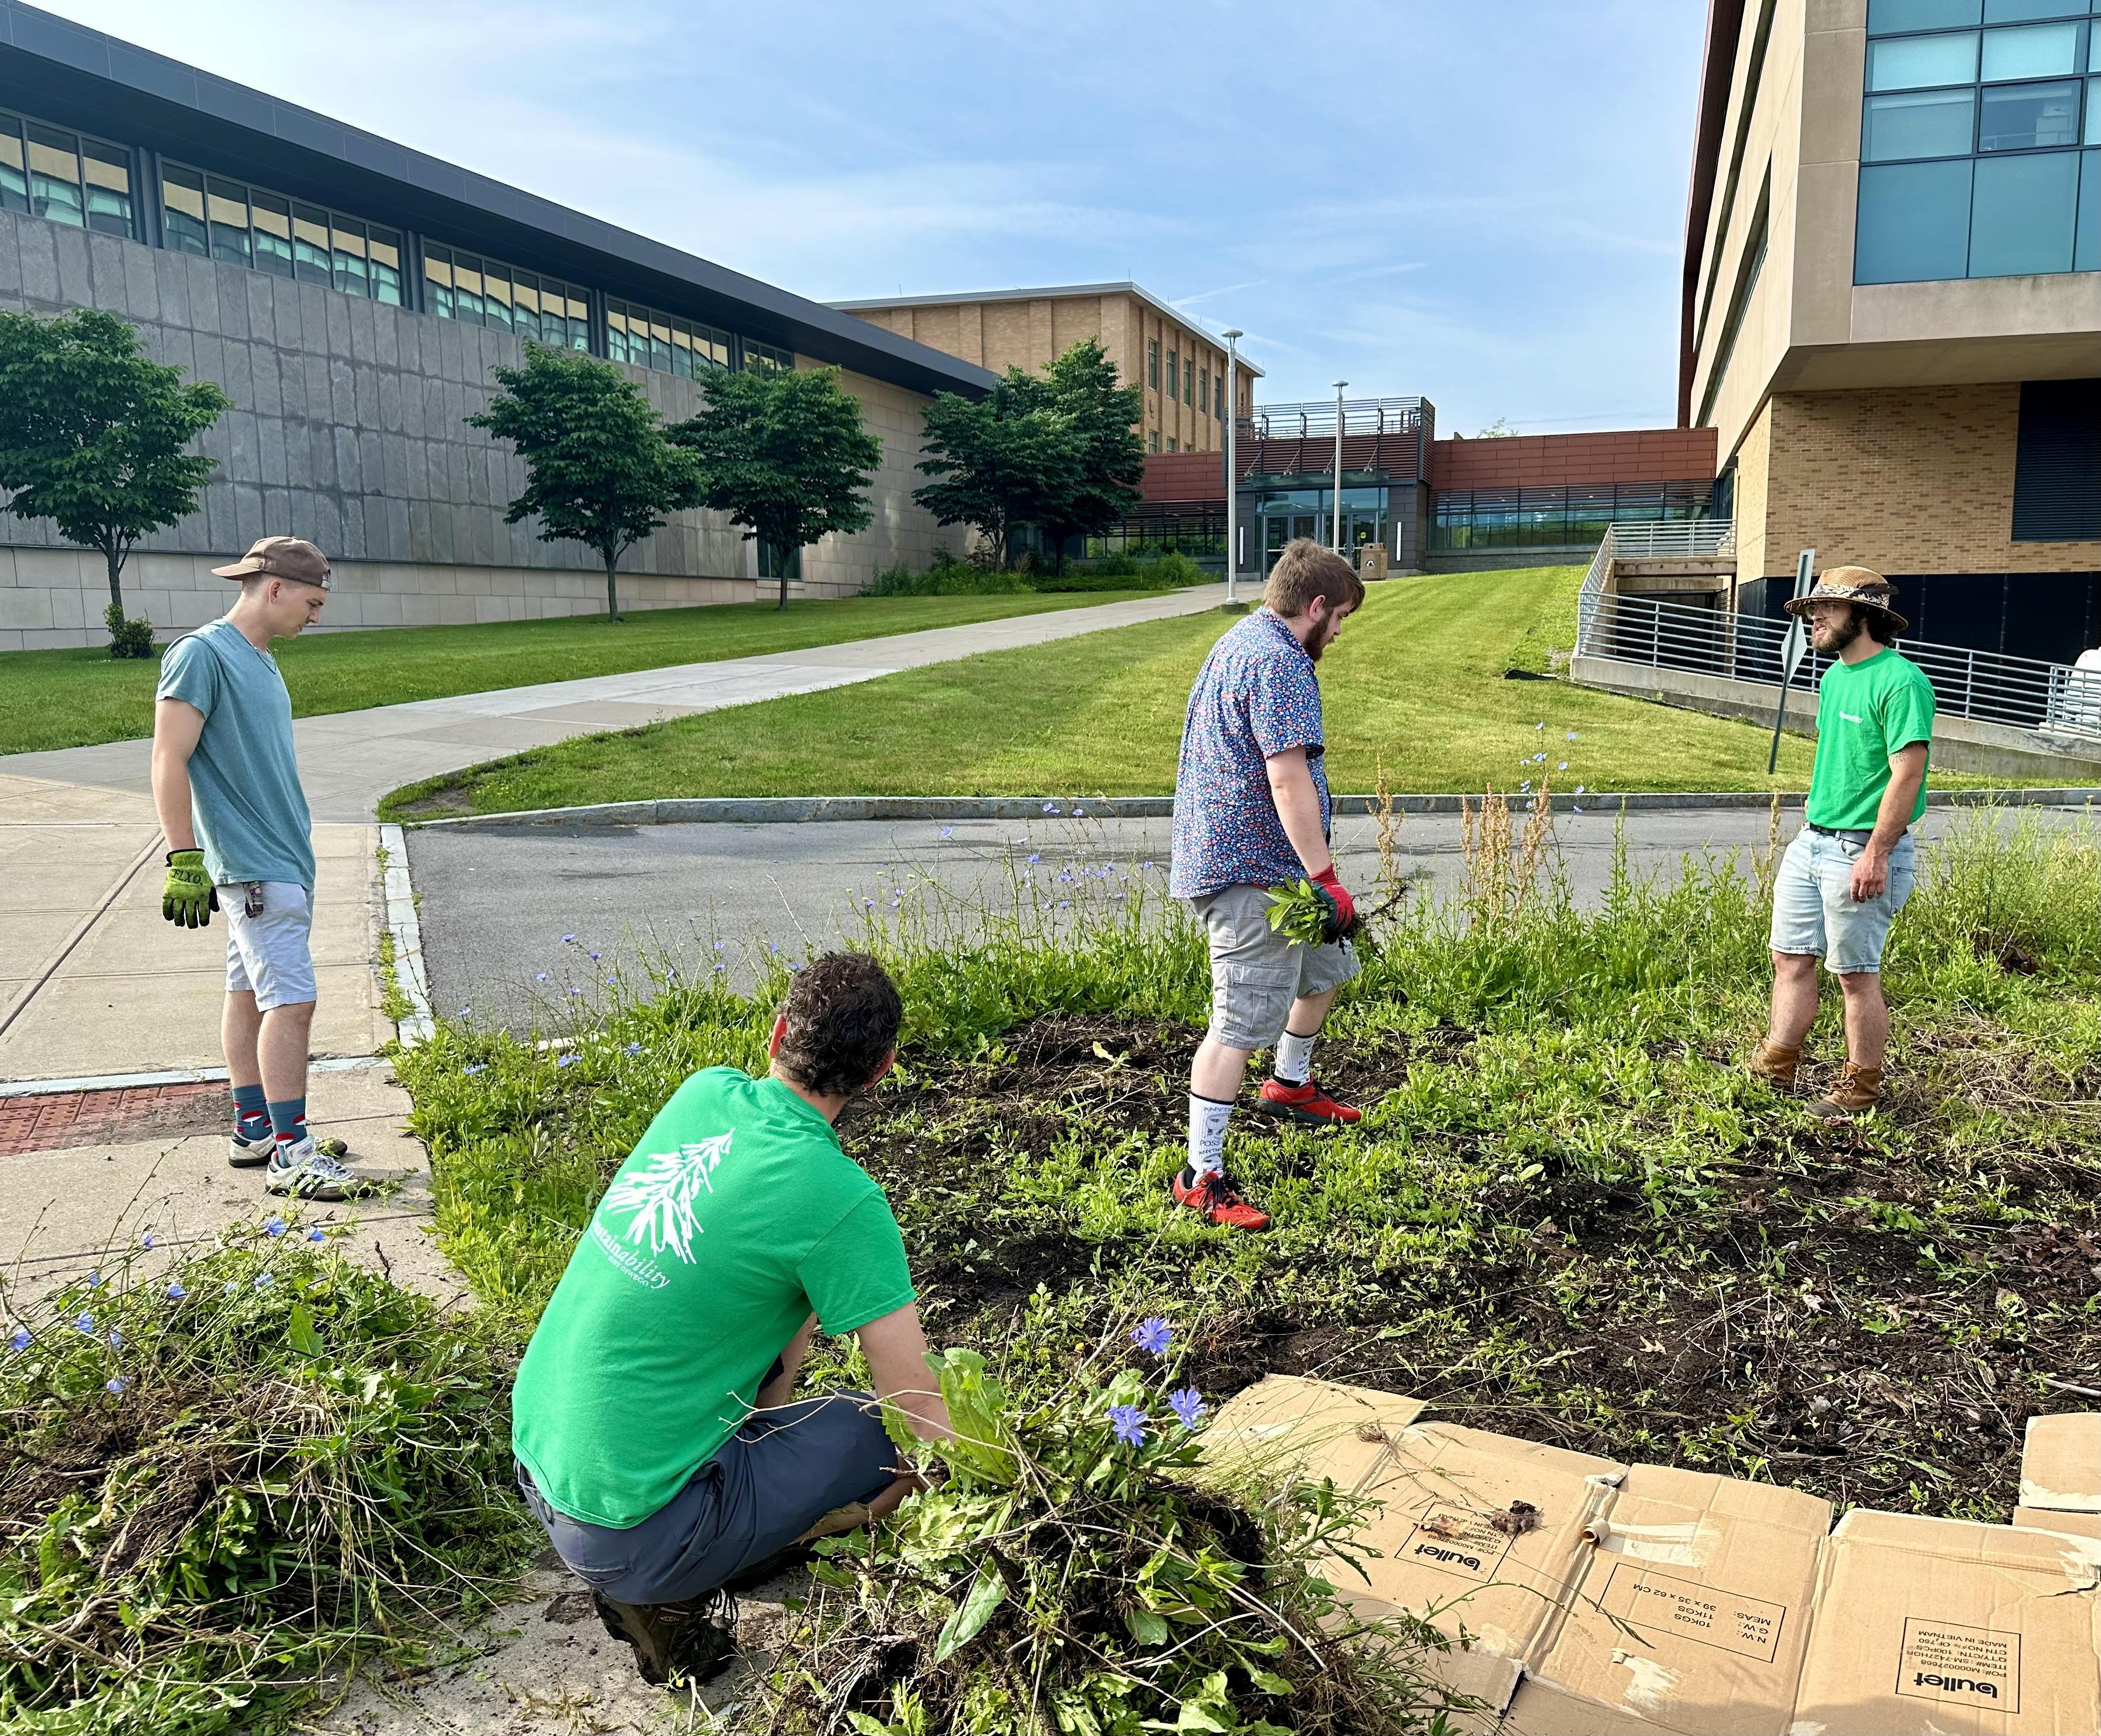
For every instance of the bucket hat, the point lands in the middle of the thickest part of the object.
(1857, 584)
(280, 558)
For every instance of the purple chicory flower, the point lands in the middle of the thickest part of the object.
(948, 832)
(176, 1293)
(539, 976)
(317, 1233)
(480, 1067)
(115, 1339)
(114, 1384)
(1129, 1422)
(565, 1061)
(85, 1323)
(1563, 766)
(574, 989)
(147, 1240)
(95, 1278)
(1034, 858)
(569, 940)
(273, 1225)
(719, 946)
(1571, 735)
(263, 1280)
(631, 1048)
(1152, 1334)
(464, 1011)
(593, 955)
(1187, 1404)
(19, 1338)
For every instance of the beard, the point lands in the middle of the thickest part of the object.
(1838, 638)
(1318, 639)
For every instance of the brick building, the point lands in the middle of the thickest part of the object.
(1181, 366)
(1891, 314)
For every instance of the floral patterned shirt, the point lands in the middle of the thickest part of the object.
(1256, 696)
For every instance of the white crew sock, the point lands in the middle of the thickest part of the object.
(1207, 1135)
(1295, 1057)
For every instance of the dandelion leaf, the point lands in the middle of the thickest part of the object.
(987, 1592)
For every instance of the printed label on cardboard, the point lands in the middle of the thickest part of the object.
(1646, 1597)
(1456, 1540)
(1946, 1662)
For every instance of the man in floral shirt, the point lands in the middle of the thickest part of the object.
(1252, 812)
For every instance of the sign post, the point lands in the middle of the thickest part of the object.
(1793, 651)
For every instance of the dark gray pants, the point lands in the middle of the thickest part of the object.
(771, 1481)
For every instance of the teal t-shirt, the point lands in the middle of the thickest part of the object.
(736, 1218)
(1865, 711)
(245, 802)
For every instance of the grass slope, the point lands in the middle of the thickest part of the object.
(1416, 681)
(71, 698)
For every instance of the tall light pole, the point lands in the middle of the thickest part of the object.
(1232, 478)
(1339, 385)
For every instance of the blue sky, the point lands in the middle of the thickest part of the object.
(1481, 202)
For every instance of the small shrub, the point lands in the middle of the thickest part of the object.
(127, 638)
(949, 575)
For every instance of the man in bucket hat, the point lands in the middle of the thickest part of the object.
(226, 789)
(1850, 869)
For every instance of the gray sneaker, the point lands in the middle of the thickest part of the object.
(306, 1173)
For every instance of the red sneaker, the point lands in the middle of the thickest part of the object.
(1219, 1201)
(1307, 1103)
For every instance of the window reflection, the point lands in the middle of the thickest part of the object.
(226, 216)
(14, 166)
(646, 337)
(108, 172)
(351, 275)
(464, 286)
(223, 220)
(55, 175)
(310, 245)
(2025, 118)
(270, 239)
(182, 210)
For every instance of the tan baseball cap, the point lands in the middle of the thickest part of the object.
(280, 558)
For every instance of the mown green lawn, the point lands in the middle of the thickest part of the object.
(71, 698)
(1416, 683)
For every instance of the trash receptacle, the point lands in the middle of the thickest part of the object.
(1372, 561)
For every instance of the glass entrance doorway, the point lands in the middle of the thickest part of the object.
(1310, 512)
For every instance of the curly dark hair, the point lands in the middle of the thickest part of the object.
(844, 1013)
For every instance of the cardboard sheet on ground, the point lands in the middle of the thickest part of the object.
(1596, 1599)
(2061, 1463)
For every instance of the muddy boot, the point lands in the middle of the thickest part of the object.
(1859, 1089)
(696, 1640)
(1775, 1064)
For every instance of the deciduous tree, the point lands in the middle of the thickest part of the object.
(783, 453)
(600, 469)
(1100, 417)
(94, 434)
(1000, 461)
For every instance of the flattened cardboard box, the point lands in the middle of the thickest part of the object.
(2061, 1462)
(2046, 1519)
(1943, 1627)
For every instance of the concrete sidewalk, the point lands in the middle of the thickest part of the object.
(349, 759)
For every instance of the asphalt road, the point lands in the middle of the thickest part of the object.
(497, 905)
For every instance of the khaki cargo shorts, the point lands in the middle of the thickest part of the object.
(1256, 973)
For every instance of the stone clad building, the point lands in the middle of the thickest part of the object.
(1891, 305)
(1181, 366)
(354, 297)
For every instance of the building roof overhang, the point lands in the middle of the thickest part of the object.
(1053, 291)
(68, 73)
(1718, 65)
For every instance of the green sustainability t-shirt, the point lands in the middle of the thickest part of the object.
(1865, 711)
(735, 1217)
(245, 802)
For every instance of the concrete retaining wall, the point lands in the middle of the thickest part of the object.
(1963, 744)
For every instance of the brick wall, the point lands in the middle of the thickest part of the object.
(1185, 476)
(1918, 480)
(1553, 461)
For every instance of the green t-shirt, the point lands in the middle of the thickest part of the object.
(245, 802)
(735, 1217)
(1865, 711)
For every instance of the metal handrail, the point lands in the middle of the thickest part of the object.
(1649, 539)
(1298, 421)
(1986, 685)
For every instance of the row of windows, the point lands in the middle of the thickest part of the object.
(50, 173)
(1968, 91)
(236, 224)
(1186, 381)
(1979, 217)
(465, 286)
(1884, 16)
(69, 177)
(1518, 517)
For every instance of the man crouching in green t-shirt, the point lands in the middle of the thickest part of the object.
(654, 1421)
(1851, 867)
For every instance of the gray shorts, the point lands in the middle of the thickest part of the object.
(270, 954)
(1814, 909)
(1256, 973)
(771, 1481)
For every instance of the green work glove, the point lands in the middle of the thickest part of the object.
(188, 898)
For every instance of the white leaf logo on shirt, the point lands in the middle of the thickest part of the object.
(659, 1196)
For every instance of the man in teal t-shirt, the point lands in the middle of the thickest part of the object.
(226, 788)
(654, 1423)
(1850, 869)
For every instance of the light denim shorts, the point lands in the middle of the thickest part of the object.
(1814, 908)
(270, 954)
(1256, 973)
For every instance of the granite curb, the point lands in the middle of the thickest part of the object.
(759, 810)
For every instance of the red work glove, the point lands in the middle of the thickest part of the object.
(1343, 923)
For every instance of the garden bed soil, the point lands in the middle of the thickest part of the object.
(1816, 1322)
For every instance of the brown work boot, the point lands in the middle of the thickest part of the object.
(1859, 1088)
(1775, 1064)
(696, 1638)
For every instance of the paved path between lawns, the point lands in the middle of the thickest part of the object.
(495, 904)
(348, 760)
